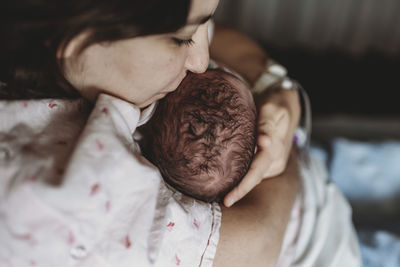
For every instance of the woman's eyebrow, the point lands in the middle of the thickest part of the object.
(200, 20)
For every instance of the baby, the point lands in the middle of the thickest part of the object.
(202, 136)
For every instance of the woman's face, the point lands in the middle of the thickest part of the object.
(142, 70)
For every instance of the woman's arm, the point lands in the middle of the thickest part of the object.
(239, 52)
(252, 230)
(278, 111)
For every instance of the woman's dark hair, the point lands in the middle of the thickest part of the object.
(32, 31)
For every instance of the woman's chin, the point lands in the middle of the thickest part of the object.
(152, 99)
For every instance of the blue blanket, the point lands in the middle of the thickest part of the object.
(368, 173)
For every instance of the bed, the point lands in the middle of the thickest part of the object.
(362, 155)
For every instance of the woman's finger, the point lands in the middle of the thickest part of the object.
(274, 153)
(263, 141)
(253, 177)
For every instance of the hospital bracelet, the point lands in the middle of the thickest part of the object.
(274, 77)
(273, 74)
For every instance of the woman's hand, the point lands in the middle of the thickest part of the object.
(279, 110)
(278, 116)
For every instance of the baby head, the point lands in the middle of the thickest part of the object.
(203, 135)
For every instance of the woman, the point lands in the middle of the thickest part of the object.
(123, 53)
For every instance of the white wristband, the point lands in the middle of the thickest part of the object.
(272, 75)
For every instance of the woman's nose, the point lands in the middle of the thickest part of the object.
(198, 56)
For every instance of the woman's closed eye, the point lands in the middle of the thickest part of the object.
(180, 42)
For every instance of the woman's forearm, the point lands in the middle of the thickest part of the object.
(239, 52)
(278, 110)
(252, 230)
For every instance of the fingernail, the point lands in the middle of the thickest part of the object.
(229, 202)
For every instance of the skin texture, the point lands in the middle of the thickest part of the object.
(252, 230)
(127, 68)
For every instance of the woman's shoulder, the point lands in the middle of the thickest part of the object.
(104, 181)
(33, 132)
(38, 113)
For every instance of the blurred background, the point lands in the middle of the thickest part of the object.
(346, 54)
